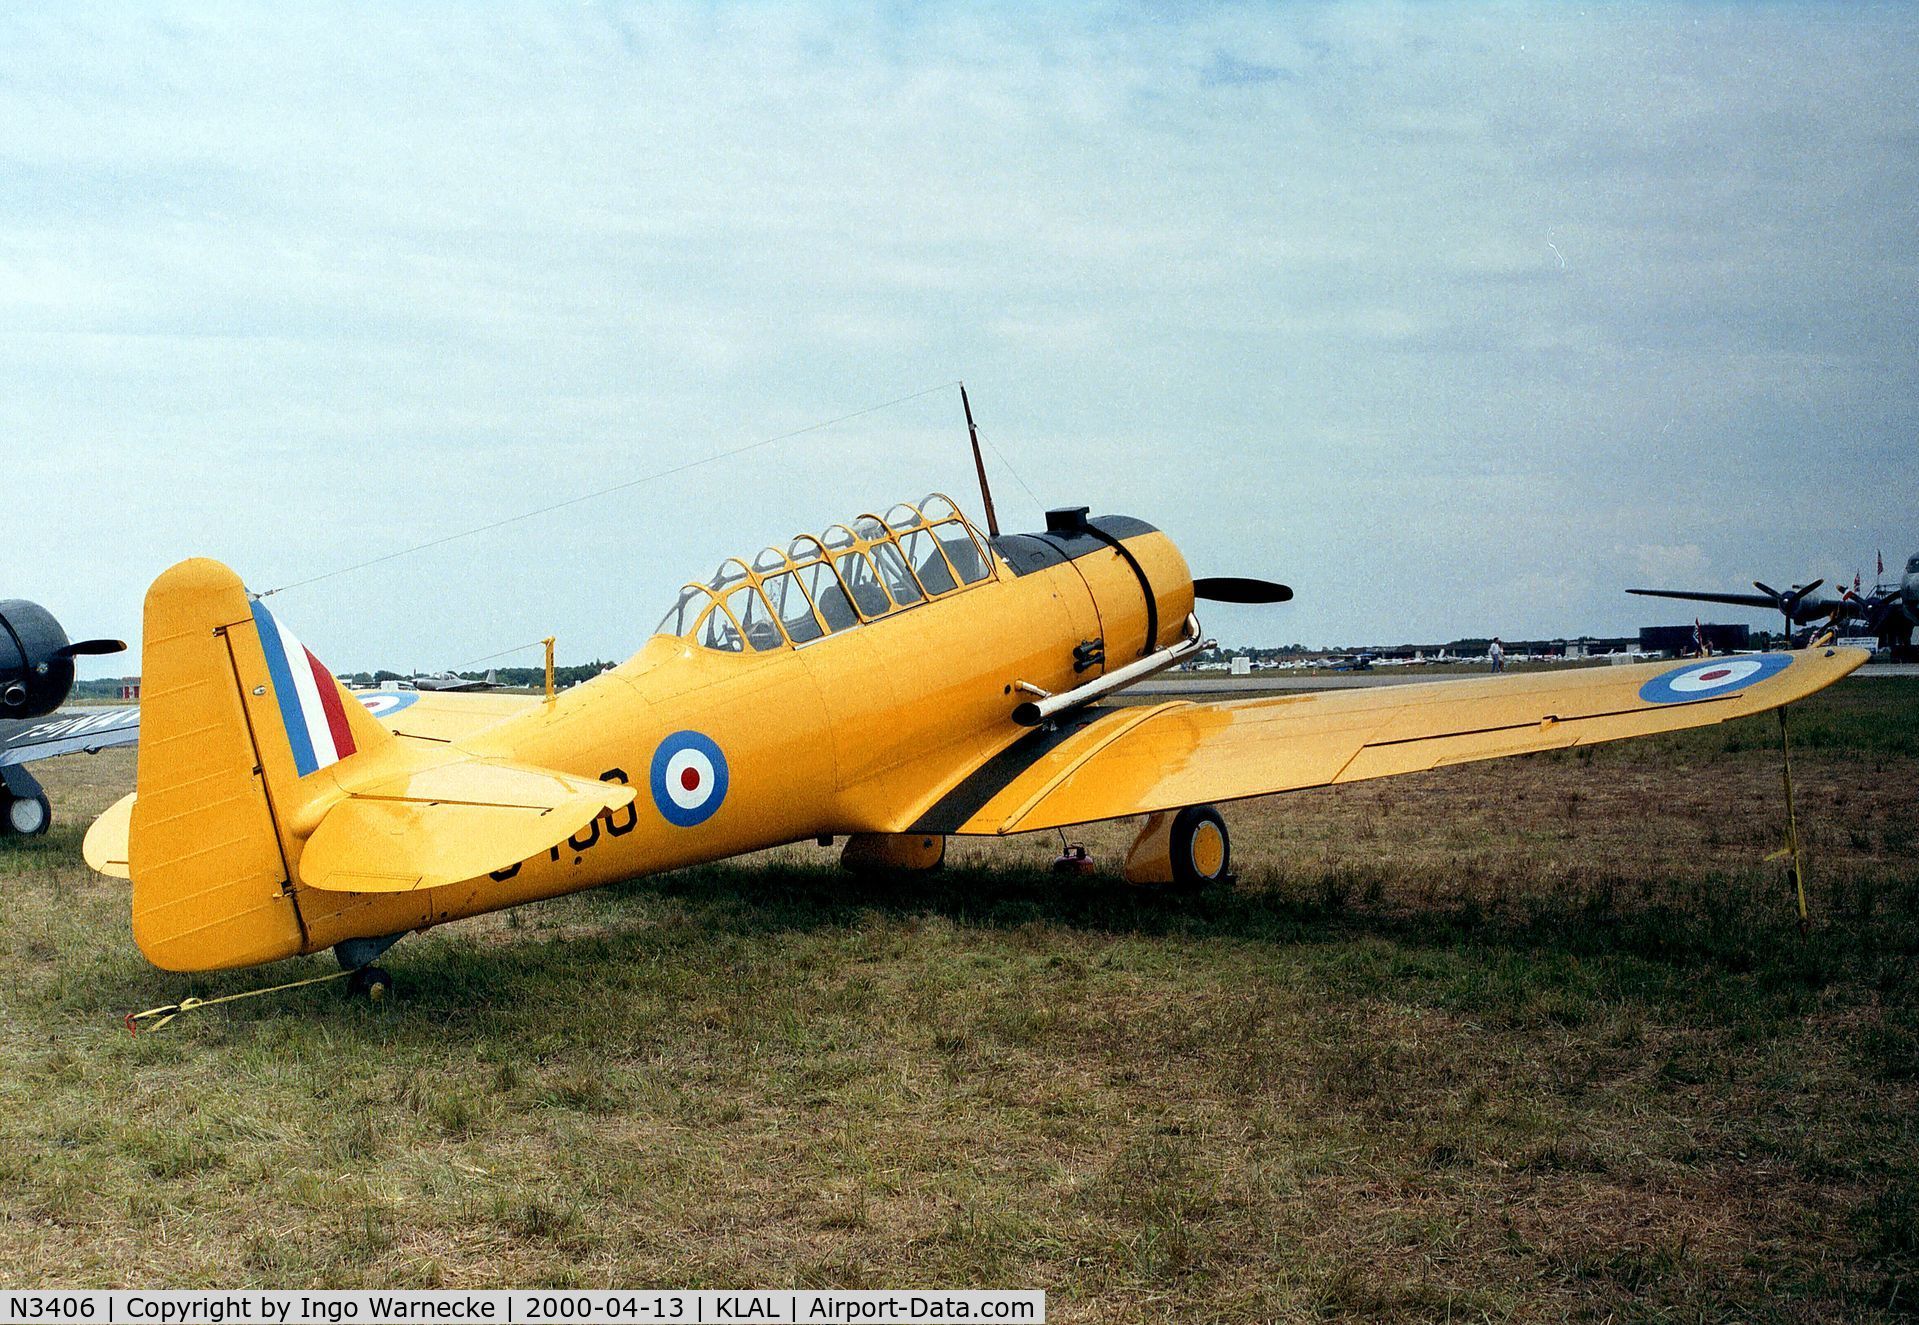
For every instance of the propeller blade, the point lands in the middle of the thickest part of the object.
(1801, 590)
(91, 646)
(1768, 590)
(1240, 589)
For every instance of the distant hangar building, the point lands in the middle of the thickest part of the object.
(1675, 641)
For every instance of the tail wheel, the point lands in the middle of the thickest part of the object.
(371, 983)
(1201, 849)
(29, 816)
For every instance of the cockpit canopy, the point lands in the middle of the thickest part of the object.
(818, 586)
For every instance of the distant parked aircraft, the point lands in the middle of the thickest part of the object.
(1889, 611)
(36, 676)
(445, 681)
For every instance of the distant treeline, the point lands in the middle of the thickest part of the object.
(105, 687)
(506, 676)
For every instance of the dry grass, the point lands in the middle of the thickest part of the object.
(1532, 1040)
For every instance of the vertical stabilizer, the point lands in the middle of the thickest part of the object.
(244, 739)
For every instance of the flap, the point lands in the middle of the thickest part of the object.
(457, 821)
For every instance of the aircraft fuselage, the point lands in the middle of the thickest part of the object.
(732, 752)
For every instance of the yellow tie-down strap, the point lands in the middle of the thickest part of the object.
(164, 1014)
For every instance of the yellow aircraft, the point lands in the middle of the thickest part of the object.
(894, 681)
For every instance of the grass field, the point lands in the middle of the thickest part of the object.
(1530, 1040)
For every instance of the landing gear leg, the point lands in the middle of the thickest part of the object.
(1189, 847)
(368, 981)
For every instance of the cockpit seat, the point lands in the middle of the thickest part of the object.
(965, 558)
(837, 612)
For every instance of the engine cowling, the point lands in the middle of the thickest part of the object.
(1138, 586)
(36, 659)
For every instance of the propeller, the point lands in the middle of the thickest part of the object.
(1871, 609)
(91, 647)
(1240, 589)
(1787, 602)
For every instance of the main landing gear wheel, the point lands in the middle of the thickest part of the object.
(1200, 847)
(1188, 848)
(371, 983)
(28, 816)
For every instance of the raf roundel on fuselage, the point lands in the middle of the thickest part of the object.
(688, 778)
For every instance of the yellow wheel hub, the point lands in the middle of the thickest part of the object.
(1209, 850)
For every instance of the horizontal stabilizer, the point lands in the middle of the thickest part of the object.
(105, 847)
(447, 824)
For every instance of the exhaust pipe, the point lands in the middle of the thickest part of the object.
(1035, 711)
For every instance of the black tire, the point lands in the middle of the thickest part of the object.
(372, 983)
(1201, 848)
(25, 816)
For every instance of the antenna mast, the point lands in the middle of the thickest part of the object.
(985, 493)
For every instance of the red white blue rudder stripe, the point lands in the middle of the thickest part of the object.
(308, 696)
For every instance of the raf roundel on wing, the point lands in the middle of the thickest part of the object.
(688, 778)
(385, 703)
(1712, 676)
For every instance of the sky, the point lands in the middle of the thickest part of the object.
(1460, 319)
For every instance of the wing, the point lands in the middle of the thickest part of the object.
(1740, 599)
(1113, 762)
(442, 715)
(427, 716)
(68, 731)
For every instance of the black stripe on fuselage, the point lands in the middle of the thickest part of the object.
(1026, 553)
(996, 774)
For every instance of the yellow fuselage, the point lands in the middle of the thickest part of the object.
(858, 732)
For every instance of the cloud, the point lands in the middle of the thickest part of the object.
(1678, 566)
(1226, 69)
(1443, 314)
